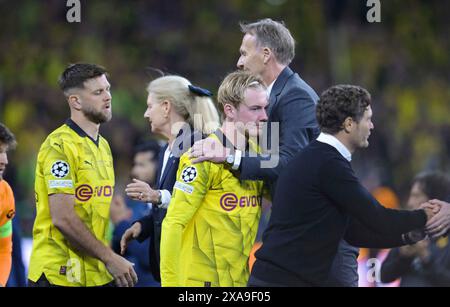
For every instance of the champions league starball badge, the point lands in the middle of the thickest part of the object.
(189, 174)
(60, 169)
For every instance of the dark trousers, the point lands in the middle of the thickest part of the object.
(344, 270)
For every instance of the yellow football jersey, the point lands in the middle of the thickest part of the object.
(70, 162)
(210, 227)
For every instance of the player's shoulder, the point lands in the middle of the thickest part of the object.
(187, 166)
(7, 197)
(186, 160)
(62, 135)
(63, 130)
(5, 187)
(61, 141)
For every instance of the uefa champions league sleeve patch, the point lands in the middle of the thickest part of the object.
(60, 169)
(189, 174)
(183, 187)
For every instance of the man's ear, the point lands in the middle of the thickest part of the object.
(348, 124)
(74, 101)
(229, 110)
(267, 54)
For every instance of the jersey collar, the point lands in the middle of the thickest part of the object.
(80, 131)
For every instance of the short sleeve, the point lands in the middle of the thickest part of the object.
(59, 167)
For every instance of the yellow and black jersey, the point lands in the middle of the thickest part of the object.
(210, 226)
(70, 162)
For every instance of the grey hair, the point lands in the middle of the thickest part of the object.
(275, 36)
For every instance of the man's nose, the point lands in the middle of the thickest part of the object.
(264, 117)
(240, 63)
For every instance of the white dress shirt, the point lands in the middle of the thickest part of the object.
(333, 141)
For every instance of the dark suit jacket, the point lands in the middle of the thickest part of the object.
(151, 224)
(318, 202)
(292, 104)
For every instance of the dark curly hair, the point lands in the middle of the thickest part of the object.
(339, 102)
(6, 138)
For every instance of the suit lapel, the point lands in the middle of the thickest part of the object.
(170, 163)
(277, 88)
(160, 163)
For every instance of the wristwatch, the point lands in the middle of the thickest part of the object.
(158, 202)
(234, 160)
(230, 160)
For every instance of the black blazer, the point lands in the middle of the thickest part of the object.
(318, 202)
(151, 224)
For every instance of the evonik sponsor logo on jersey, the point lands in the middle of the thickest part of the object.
(230, 201)
(85, 192)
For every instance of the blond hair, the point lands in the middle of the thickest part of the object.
(233, 87)
(198, 111)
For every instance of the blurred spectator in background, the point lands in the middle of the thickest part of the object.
(125, 210)
(426, 263)
(172, 105)
(7, 207)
